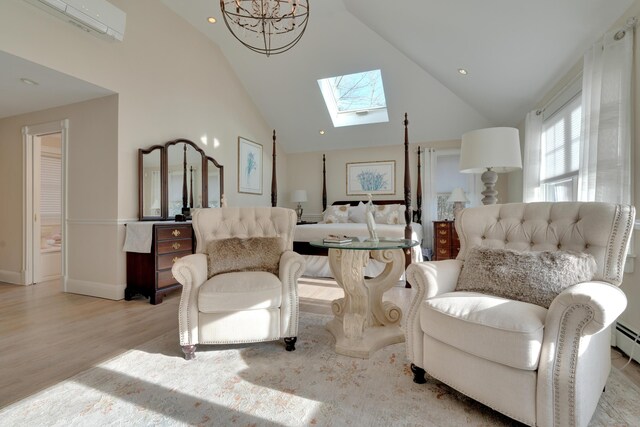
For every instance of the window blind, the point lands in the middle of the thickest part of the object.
(50, 186)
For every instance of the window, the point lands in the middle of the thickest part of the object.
(355, 99)
(560, 153)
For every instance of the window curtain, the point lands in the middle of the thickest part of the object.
(605, 164)
(531, 171)
(429, 200)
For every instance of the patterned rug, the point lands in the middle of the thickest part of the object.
(263, 385)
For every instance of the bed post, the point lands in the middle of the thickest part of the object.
(408, 214)
(324, 184)
(274, 182)
(419, 191)
(407, 181)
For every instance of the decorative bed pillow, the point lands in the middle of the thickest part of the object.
(336, 213)
(358, 213)
(533, 277)
(251, 254)
(390, 214)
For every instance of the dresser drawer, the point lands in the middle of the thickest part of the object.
(167, 260)
(175, 232)
(170, 246)
(165, 278)
(443, 253)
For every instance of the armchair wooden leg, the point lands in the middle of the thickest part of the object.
(418, 374)
(290, 343)
(189, 352)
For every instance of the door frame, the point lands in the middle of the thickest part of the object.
(30, 132)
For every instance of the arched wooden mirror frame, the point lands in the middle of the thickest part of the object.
(164, 179)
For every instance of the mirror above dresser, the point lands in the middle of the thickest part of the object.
(176, 177)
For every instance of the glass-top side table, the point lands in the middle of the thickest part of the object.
(362, 322)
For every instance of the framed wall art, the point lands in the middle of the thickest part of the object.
(249, 166)
(371, 178)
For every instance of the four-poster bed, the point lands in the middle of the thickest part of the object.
(401, 226)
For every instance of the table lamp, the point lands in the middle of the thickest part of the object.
(490, 151)
(459, 199)
(299, 197)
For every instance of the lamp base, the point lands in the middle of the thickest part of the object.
(489, 179)
(299, 212)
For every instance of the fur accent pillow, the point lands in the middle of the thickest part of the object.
(251, 254)
(358, 213)
(533, 277)
(336, 214)
(390, 214)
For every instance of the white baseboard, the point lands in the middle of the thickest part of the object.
(13, 277)
(95, 289)
(627, 340)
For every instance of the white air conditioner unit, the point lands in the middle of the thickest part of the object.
(98, 17)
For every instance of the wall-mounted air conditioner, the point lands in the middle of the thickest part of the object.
(98, 17)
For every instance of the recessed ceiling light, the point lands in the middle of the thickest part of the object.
(211, 20)
(29, 81)
(321, 132)
(462, 71)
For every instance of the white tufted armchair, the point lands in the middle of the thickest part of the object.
(239, 307)
(543, 367)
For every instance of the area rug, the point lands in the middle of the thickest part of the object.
(263, 385)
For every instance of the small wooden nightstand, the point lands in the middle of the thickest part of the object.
(446, 244)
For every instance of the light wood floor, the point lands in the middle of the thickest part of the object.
(47, 336)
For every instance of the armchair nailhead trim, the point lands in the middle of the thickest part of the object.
(569, 355)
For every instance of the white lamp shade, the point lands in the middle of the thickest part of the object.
(299, 196)
(497, 149)
(457, 195)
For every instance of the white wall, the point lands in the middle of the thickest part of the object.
(172, 82)
(631, 283)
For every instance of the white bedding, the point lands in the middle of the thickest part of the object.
(310, 232)
(318, 266)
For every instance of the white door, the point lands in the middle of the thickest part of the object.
(44, 202)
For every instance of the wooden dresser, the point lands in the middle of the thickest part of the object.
(446, 244)
(149, 274)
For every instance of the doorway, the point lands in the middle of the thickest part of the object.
(44, 202)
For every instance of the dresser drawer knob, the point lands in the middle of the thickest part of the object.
(443, 231)
(176, 245)
(443, 241)
(442, 251)
(175, 259)
(175, 233)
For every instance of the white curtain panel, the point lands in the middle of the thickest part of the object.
(531, 165)
(605, 167)
(429, 200)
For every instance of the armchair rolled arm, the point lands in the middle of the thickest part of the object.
(292, 265)
(601, 303)
(575, 350)
(191, 272)
(428, 279)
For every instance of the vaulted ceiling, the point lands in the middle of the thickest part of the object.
(514, 52)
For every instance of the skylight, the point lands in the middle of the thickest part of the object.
(355, 99)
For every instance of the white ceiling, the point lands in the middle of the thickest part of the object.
(515, 52)
(53, 89)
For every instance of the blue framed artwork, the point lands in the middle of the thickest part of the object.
(249, 166)
(371, 178)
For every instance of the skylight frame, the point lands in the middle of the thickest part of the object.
(358, 115)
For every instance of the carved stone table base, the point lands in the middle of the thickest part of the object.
(363, 323)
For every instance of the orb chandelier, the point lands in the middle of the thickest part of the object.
(266, 26)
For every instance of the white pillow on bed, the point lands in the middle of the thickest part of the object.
(390, 214)
(336, 214)
(358, 213)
